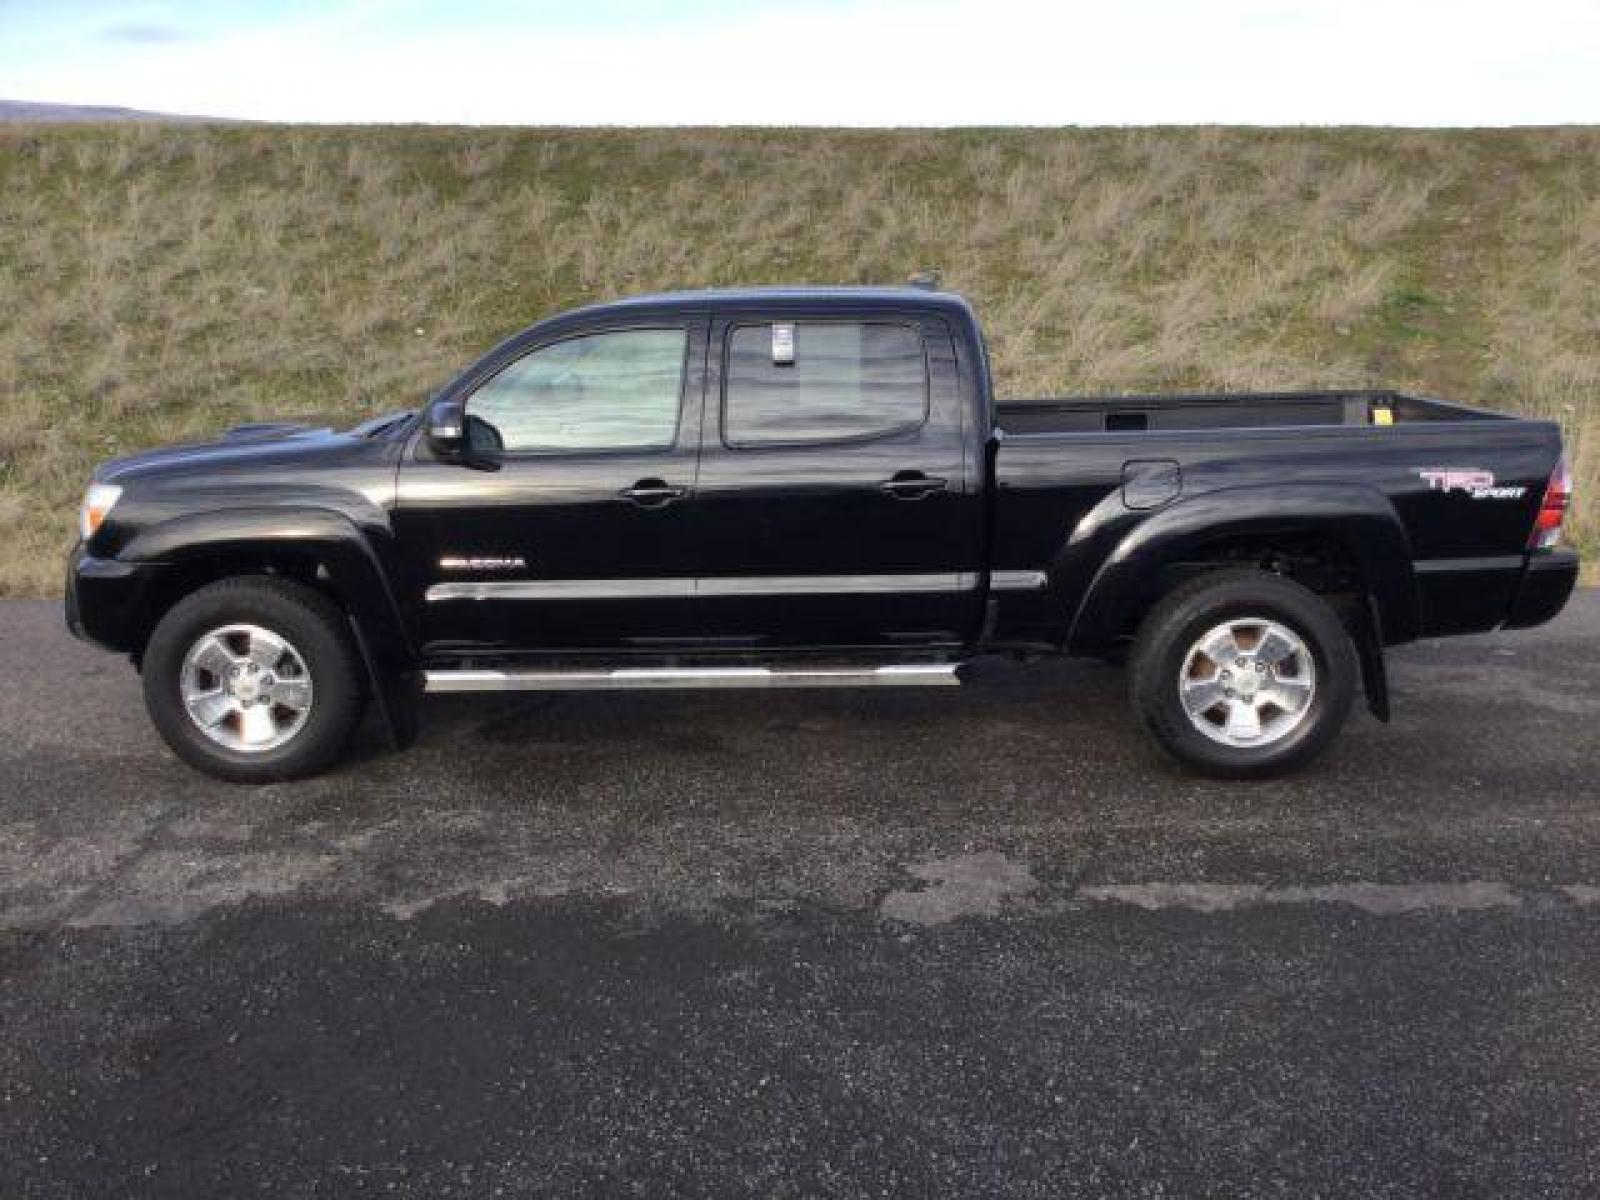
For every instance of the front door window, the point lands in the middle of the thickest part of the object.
(617, 390)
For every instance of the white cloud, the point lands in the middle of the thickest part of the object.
(878, 63)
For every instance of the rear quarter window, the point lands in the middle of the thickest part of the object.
(847, 381)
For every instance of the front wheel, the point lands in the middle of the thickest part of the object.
(1243, 674)
(254, 679)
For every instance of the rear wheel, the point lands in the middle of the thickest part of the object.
(1243, 674)
(254, 679)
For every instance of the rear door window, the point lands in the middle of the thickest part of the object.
(810, 382)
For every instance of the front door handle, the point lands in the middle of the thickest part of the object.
(912, 485)
(653, 493)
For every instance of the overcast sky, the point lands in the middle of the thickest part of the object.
(828, 62)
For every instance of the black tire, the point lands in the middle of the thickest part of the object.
(1174, 626)
(306, 619)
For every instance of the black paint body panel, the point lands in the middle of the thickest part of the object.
(1544, 589)
(1043, 525)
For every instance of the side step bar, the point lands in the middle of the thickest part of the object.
(670, 678)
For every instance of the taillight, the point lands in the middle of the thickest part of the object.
(1557, 495)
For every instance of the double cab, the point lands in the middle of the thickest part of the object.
(808, 487)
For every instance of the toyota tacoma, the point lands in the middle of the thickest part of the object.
(808, 487)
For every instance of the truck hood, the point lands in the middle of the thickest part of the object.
(258, 443)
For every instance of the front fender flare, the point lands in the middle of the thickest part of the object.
(351, 556)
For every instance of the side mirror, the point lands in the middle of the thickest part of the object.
(446, 428)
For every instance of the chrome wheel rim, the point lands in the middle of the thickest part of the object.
(1248, 682)
(246, 688)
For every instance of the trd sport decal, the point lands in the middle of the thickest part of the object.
(1477, 483)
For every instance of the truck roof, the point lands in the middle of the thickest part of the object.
(820, 297)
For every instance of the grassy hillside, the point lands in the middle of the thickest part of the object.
(163, 282)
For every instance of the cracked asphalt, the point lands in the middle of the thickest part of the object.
(965, 943)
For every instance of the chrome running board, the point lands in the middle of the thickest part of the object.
(671, 678)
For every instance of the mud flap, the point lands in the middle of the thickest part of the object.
(394, 694)
(1367, 630)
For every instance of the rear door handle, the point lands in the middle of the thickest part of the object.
(653, 493)
(912, 485)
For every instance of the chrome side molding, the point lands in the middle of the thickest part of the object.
(1018, 581)
(676, 678)
(689, 588)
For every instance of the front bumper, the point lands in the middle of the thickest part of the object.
(1542, 592)
(107, 601)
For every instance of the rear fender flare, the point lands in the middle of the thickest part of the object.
(1358, 518)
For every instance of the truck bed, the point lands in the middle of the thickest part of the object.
(1222, 410)
(1074, 477)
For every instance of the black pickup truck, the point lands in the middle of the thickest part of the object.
(808, 488)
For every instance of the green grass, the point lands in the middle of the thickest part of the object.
(164, 282)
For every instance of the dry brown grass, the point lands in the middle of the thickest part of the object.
(161, 283)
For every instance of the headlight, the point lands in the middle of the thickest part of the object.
(97, 502)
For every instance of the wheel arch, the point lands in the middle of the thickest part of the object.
(1333, 537)
(321, 548)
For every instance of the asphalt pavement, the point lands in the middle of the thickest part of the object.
(971, 942)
